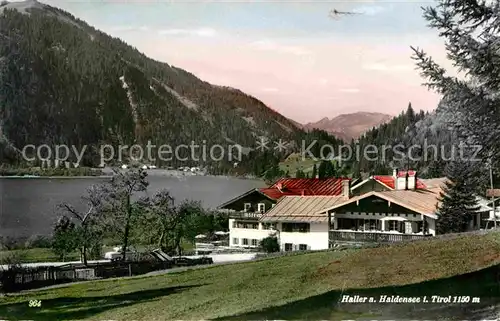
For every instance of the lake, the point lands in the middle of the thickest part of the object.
(28, 206)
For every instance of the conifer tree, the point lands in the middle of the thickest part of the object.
(300, 174)
(470, 30)
(326, 169)
(458, 201)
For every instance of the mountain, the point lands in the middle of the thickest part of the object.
(64, 82)
(350, 126)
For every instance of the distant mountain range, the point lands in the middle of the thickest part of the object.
(349, 126)
(64, 82)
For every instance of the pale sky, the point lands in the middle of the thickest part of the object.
(289, 54)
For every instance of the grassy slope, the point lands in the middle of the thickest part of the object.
(295, 162)
(305, 286)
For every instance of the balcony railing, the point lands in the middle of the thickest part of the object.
(246, 215)
(374, 237)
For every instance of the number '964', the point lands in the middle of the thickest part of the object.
(35, 303)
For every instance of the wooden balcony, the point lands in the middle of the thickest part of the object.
(246, 215)
(373, 237)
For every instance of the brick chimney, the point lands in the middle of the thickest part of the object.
(346, 188)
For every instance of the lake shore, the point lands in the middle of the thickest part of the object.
(29, 206)
(108, 174)
(53, 177)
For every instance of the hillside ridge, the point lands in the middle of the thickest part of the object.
(69, 83)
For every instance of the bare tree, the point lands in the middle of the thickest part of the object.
(169, 224)
(164, 217)
(88, 220)
(119, 200)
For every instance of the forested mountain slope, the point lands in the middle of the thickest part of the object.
(64, 82)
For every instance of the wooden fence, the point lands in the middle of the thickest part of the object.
(22, 278)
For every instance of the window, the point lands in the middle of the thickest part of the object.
(245, 241)
(296, 227)
(288, 247)
(255, 242)
(358, 224)
(247, 225)
(235, 241)
(302, 247)
(247, 207)
(420, 227)
(397, 226)
(268, 226)
(261, 207)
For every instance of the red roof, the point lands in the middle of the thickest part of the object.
(389, 181)
(304, 186)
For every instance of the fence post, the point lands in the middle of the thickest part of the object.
(129, 269)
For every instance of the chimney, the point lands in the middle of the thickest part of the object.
(395, 173)
(399, 180)
(406, 180)
(346, 188)
(412, 180)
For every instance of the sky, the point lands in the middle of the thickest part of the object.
(288, 54)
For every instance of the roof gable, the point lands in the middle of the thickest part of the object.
(237, 198)
(420, 201)
(301, 209)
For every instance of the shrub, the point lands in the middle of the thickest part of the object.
(270, 244)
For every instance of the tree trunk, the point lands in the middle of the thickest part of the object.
(83, 255)
(161, 239)
(127, 229)
(177, 246)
